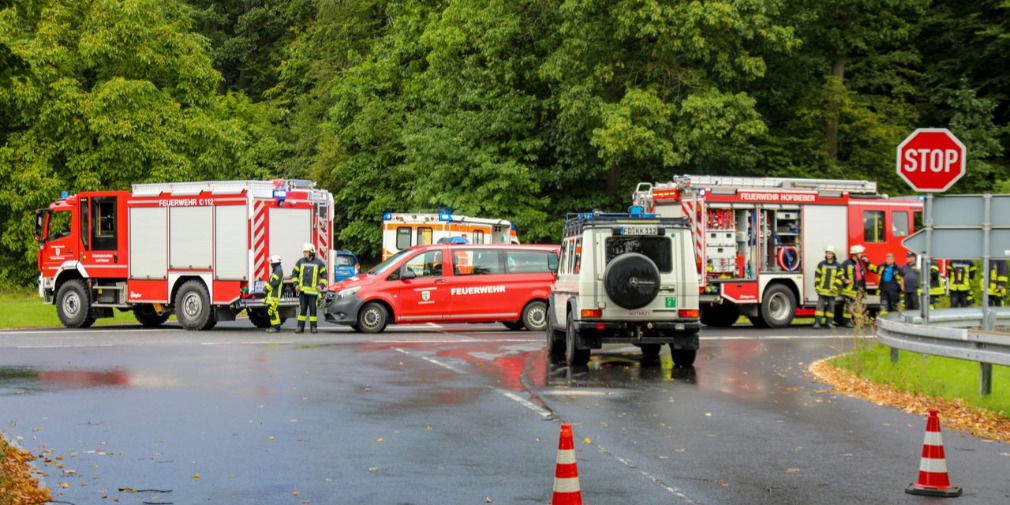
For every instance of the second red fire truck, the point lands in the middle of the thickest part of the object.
(757, 241)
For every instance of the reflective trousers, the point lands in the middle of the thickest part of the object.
(825, 309)
(275, 315)
(307, 307)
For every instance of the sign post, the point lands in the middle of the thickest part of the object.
(930, 160)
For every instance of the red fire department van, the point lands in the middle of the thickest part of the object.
(196, 249)
(449, 283)
(758, 241)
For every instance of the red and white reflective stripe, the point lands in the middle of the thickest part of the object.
(259, 240)
(690, 209)
(322, 238)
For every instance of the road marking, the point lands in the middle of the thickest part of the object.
(656, 480)
(785, 337)
(542, 412)
(250, 342)
(430, 360)
(62, 346)
(70, 332)
(573, 392)
(460, 341)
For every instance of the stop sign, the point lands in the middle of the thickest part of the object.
(931, 159)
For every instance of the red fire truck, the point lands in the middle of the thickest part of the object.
(195, 249)
(758, 241)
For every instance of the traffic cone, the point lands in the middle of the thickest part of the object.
(566, 473)
(933, 479)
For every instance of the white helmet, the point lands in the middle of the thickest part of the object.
(857, 249)
(309, 247)
(275, 259)
(830, 249)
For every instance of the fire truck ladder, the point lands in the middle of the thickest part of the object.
(718, 181)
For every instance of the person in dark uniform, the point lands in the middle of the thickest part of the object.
(827, 282)
(960, 278)
(273, 288)
(910, 282)
(890, 284)
(309, 275)
(997, 282)
(936, 288)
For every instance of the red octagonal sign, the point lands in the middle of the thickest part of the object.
(931, 159)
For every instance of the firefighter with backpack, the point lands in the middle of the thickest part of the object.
(960, 278)
(997, 283)
(936, 288)
(309, 275)
(827, 282)
(274, 286)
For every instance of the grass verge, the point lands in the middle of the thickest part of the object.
(22, 308)
(17, 486)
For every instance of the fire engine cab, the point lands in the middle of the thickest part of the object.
(196, 249)
(403, 230)
(757, 241)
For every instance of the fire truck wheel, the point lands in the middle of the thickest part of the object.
(573, 355)
(73, 304)
(192, 306)
(631, 280)
(513, 325)
(535, 316)
(721, 315)
(555, 340)
(778, 306)
(683, 358)
(148, 317)
(373, 318)
(259, 318)
(651, 351)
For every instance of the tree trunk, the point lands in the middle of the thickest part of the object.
(834, 112)
(613, 179)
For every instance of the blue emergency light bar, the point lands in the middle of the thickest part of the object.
(445, 216)
(64, 194)
(387, 216)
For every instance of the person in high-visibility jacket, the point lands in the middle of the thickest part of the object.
(827, 282)
(854, 270)
(997, 282)
(936, 288)
(960, 278)
(890, 284)
(274, 287)
(309, 275)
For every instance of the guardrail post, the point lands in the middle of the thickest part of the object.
(894, 355)
(985, 379)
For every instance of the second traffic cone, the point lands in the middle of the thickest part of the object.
(566, 472)
(933, 478)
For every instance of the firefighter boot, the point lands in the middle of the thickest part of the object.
(274, 329)
(313, 329)
(817, 322)
(301, 328)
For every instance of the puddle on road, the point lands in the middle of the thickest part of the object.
(20, 380)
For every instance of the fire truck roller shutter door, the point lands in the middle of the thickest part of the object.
(190, 238)
(231, 250)
(289, 229)
(149, 243)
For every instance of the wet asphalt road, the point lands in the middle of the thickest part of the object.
(455, 414)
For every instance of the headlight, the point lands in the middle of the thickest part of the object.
(348, 292)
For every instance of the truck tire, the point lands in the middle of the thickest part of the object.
(555, 340)
(373, 318)
(192, 306)
(73, 304)
(534, 316)
(778, 307)
(148, 317)
(573, 355)
(683, 358)
(259, 318)
(722, 315)
(631, 280)
(651, 351)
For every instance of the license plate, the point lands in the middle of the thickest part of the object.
(671, 302)
(639, 230)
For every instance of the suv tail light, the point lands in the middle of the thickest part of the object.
(689, 313)
(592, 313)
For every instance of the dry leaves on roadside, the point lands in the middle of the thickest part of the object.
(17, 486)
(954, 414)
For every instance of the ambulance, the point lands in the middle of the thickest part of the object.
(449, 283)
(758, 240)
(400, 231)
(194, 249)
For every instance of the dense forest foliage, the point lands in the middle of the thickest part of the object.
(519, 109)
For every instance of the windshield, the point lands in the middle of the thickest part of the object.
(344, 260)
(385, 265)
(59, 225)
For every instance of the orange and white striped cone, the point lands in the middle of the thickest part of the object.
(566, 472)
(933, 478)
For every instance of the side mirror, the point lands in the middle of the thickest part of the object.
(407, 274)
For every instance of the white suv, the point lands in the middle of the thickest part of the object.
(625, 278)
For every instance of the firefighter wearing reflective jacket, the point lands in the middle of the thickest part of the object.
(997, 283)
(827, 282)
(273, 289)
(309, 275)
(936, 288)
(960, 277)
(854, 271)
(890, 284)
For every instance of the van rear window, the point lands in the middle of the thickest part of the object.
(655, 248)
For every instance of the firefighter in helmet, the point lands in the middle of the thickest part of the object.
(273, 288)
(960, 279)
(827, 282)
(854, 270)
(997, 283)
(309, 275)
(936, 288)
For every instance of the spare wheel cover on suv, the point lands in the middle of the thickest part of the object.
(631, 280)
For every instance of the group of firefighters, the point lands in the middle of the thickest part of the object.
(848, 280)
(308, 277)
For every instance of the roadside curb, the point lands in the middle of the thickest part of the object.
(34, 471)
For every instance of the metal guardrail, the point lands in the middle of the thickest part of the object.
(953, 333)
